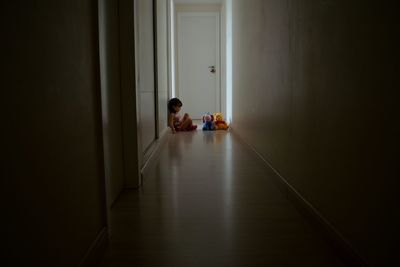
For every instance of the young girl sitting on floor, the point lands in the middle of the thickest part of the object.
(174, 121)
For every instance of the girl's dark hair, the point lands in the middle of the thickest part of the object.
(174, 102)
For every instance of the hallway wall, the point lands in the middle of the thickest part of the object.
(308, 81)
(145, 74)
(128, 94)
(111, 97)
(52, 175)
(162, 59)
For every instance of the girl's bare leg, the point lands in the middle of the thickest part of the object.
(185, 117)
(186, 121)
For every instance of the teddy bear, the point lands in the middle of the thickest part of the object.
(220, 124)
(208, 122)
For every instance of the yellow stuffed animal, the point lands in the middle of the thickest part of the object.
(220, 124)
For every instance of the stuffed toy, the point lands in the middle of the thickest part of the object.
(208, 122)
(220, 124)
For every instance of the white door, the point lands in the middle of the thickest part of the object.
(198, 35)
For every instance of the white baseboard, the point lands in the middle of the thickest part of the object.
(96, 250)
(152, 158)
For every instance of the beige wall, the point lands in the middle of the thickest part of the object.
(308, 81)
(162, 58)
(53, 177)
(111, 97)
(116, 30)
(146, 90)
(128, 94)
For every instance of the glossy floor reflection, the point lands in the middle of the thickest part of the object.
(208, 201)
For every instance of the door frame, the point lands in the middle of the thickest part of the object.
(202, 8)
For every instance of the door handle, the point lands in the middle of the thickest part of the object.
(212, 69)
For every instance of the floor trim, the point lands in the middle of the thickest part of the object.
(340, 244)
(153, 156)
(96, 251)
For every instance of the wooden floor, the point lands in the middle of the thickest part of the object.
(208, 201)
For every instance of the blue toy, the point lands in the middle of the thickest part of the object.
(208, 122)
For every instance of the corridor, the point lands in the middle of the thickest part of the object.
(207, 200)
(309, 84)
